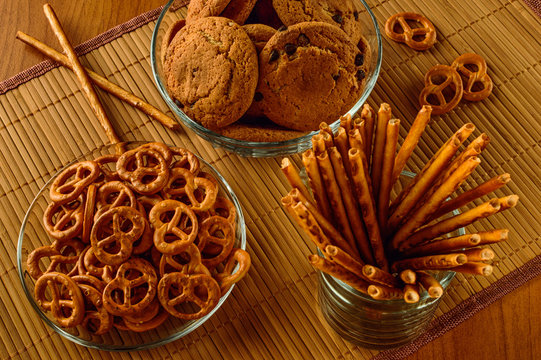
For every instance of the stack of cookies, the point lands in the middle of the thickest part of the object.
(266, 70)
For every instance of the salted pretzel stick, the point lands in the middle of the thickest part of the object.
(474, 268)
(508, 202)
(411, 293)
(335, 198)
(366, 202)
(376, 275)
(324, 127)
(345, 122)
(384, 115)
(293, 177)
(81, 74)
(493, 236)
(342, 258)
(451, 224)
(350, 205)
(419, 217)
(468, 196)
(411, 195)
(338, 272)
(384, 196)
(329, 230)
(327, 139)
(318, 144)
(316, 183)
(356, 141)
(479, 254)
(432, 286)
(102, 82)
(307, 222)
(408, 276)
(431, 262)
(360, 125)
(410, 142)
(368, 115)
(380, 292)
(440, 246)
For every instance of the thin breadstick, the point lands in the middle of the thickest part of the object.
(440, 246)
(342, 144)
(368, 116)
(479, 254)
(508, 202)
(389, 152)
(350, 205)
(376, 275)
(380, 292)
(356, 142)
(408, 276)
(366, 202)
(334, 235)
(431, 262)
(81, 74)
(451, 224)
(324, 127)
(293, 177)
(342, 258)
(345, 122)
(493, 236)
(327, 139)
(419, 217)
(316, 183)
(411, 293)
(103, 83)
(410, 142)
(360, 125)
(339, 273)
(384, 115)
(432, 286)
(318, 144)
(308, 223)
(468, 196)
(474, 268)
(335, 199)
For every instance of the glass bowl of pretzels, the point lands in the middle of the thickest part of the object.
(269, 118)
(132, 246)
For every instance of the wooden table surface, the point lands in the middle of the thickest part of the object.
(510, 328)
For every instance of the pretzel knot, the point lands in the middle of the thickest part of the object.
(216, 240)
(198, 192)
(114, 233)
(71, 182)
(56, 260)
(187, 262)
(65, 300)
(144, 168)
(419, 38)
(226, 277)
(473, 78)
(175, 225)
(89, 264)
(176, 289)
(96, 318)
(186, 160)
(64, 220)
(443, 89)
(134, 274)
(114, 194)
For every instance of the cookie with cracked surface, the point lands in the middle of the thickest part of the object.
(211, 71)
(309, 73)
(238, 10)
(259, 34)
(341, 13)
(204, 8)
(170, 35)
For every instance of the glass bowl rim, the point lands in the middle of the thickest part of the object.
(191, 325)
(228, 142)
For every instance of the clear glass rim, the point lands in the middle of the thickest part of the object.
(257, 149)
(194, 324)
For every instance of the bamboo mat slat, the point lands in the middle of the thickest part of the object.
(45, 122)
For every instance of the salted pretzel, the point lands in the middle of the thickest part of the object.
(64, 221)
(163, 149)
(222, 207)
(121, 240)
(107, 165)
(182, 226)
(185, 159)
(96, 318)
(71, 182)
(56, 260)
(114, 194)
(146, 278)
(198, 192)
(215, 231)
(471, 78)
(175, 289)
(187, 262)
(89, 264)
(89, 280)
(226, 277)
(67, 307)
(146, 325)
(410, 36)
(435, 89)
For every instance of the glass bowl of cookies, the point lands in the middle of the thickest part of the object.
(132, 246)
(257, 79)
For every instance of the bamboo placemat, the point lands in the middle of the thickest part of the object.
(46, 122)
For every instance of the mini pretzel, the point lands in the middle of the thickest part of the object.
(187, 262)
(89, 264)
(215, 231)
(198, 192)
(226, 278)
(97, 320)
(148, 201)
(107, 165)
(89, 280)
(69, 184)
(68, 312)
(64, 221)
(474, 77)
(144, 168)
(116, 217)
(408, 36)
(140, 326)
(147, 279)
(146, 241)
(149, 312)
(114, 194)
(183, 225)
(55, 257)
(177, 288)
(187, 160)
(452, 80)
(163, 149)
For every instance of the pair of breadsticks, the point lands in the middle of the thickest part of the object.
(389, 248)
(85, 76)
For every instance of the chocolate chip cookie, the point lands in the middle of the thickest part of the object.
(309, 73)
(211, 71)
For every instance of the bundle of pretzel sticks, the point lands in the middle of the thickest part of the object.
(390, 248)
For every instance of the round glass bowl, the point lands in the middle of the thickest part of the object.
(33, 235)
(172, 13)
